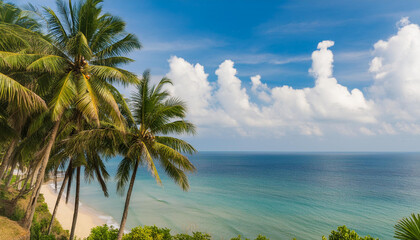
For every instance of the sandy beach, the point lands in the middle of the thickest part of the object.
(86, 220)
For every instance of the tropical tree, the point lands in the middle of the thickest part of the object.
(10, 13)
(408, 228)
(17, 97)
(87, 158)
(154, 113)
(155, 116)
(88, 45)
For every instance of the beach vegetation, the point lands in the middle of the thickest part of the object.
(103, 232)
(194, 236)
(408, 228)
(343, 233)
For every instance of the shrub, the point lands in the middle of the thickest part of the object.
(18, 214)
(260, 237)
(37, 232)
(195, 236)
(148, 233)
(103, 233)
(343, 233)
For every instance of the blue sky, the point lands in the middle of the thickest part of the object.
(276, 39)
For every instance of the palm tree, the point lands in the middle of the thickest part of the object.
(89, 159)
(10, 13)
(155, 112)
(408, 228)
(18, 101)
(88, 47)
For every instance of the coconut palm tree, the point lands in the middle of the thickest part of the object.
(155, 115)
(87, 158)
(408, 228)
(10, 13)
(155, 112)
(17, 96)
(88, 48)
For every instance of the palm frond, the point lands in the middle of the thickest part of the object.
(178, 145)
(408, 228)
(51, 63)
(64, 95)
(113, 74)
(165, 152)
(123, 173)
(151, 165)
(88, 102)
(12, 91)
(121, 47)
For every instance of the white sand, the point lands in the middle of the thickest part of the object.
(86, 219)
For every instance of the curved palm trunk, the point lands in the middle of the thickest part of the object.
(7, 157)
(76, 204)
(35, 170)
(23, 187)
(127, 201)
(30, 210)
(10, 176)
(57, 202)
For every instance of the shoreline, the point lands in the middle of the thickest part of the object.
(87, 219)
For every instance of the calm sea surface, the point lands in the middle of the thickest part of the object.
(275, 194)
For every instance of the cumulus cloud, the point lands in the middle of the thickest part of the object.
(389, 106)
(191, 84)
(396, 69)
(328, 100)
(260, 89)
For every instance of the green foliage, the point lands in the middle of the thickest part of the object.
(40, 223)
(260, 237)
(106, 232)
(103, 233)
(148, 233)
(408, 228)
(18, 214)
(343, 233)
(195, 236)
(38, 229)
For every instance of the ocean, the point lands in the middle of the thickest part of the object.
(279, 195)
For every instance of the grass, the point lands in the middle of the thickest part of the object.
(11, 230)
(16, 211)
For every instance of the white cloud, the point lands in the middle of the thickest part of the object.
(396, 69)
(260, 89)
(286, 107)
(191, 84)
(390, 108)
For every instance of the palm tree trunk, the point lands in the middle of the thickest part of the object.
(55, 179)
(30, 210)
(35, 170)
(127, 201)
(7, 156)
(76, 205)
(10, 176)
(23, 187)
(57, 202)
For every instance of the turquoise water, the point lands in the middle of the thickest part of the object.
(279, 195)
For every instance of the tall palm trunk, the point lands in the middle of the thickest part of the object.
(10, 176)
(127, 201)
(7, 157)
(60, 193)
(34, 170)
(28, 175)
(76, 205)
(30, 210)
